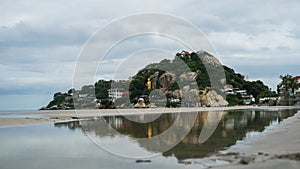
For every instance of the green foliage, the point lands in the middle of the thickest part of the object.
(61, 100)
(288, 84)
(106, 104)
(172, 104)
(101, 88)
(256, 88)
(233, 99)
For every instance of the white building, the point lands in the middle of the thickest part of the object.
(247, 99)
(297, 89)
(115, 94)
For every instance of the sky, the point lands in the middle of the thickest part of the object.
(41, 41)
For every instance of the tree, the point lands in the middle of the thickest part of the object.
(288, 84)
(101, 88)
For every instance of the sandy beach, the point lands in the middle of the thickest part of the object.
(277, 147)
(67, 115)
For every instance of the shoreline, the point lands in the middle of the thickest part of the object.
(277, 147)
(53, 116)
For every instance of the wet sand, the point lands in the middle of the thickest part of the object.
(12, 122)
(278, 147)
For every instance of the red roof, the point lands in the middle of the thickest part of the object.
(297, 77)
(185, 52)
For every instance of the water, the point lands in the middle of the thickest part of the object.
(15, 112)
(91, 144)
(21, 113)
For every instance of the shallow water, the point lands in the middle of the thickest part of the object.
(111, 142)
(21, 116)
(16, 112)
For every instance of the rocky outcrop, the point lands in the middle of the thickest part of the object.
(166, 80)
(208, 58)
(176, 93)
(205, 97)
(212, 98)
(190, 76)
(154, 79)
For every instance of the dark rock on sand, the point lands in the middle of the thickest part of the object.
(143, 161)
(246, 160)
(295, 156)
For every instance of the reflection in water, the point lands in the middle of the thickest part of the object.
(233, 126)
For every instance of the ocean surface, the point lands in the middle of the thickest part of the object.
(122, 142)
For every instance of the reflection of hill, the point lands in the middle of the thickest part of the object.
(234, 125)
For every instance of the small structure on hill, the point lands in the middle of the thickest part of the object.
(115, 93)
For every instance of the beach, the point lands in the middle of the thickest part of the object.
(276, 147)
(69, 115)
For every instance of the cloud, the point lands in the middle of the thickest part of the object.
(248, 43)
(24, 34)
(41, 40)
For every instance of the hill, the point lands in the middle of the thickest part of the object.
(190, 79)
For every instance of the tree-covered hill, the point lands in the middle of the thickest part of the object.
(188, 75)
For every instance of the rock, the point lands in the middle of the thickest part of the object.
(212, 98)
(193, 95)
(176, 93)
(143, 161)
(185, 89)
(140, 103)
(215, 99)
(223, 80)
(227, 86)
(295, 156)
(208, 58)
(190, 76)
(190, 96)
(246, 160)
(166, 80)
(153, 79)
(232, 154)
(203, 98)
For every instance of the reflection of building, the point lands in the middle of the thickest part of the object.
(115, 94)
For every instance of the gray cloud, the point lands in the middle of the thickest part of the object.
(40, 40)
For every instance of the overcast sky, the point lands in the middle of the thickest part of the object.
(41, 40)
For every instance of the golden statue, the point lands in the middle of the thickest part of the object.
(149, 131)
(149, 84)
